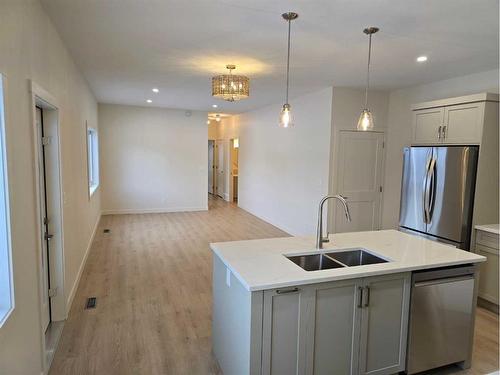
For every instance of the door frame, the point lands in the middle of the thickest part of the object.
(220, 149)
(211, 168)
(43, 99)
(334, 170)
(230, 171)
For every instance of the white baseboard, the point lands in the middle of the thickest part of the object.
(82, 267)
(226, 197)
(152, 210)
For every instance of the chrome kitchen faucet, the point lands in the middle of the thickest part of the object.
(320, 240)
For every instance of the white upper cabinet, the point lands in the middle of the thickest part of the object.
(451, 121)
(463, 123)
(427, 125)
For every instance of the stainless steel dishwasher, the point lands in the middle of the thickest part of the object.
(441, 318)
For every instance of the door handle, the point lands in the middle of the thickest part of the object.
(424, 192)
(432, 188)
(48, 236)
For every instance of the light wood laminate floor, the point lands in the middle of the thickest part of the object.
(152, 279)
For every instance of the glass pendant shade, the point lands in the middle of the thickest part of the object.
(286, 117)
(286, 111)
(365, 121)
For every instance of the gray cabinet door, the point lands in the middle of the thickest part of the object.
(336, 317)
(384, 324)
(286, 320)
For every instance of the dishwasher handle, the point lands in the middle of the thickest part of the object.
(442, 281)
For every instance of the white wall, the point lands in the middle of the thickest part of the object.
(399, 127)
(153, 159)
(283, 173)
(30, 48)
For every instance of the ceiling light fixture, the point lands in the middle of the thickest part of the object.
(365, 121)
(230, 87)
(422, 58)
(286, 110)
(149, 101)
(214, 105)
(155, 90)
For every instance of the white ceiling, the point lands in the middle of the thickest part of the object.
(127, 47)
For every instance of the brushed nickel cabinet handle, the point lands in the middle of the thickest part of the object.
(360, 297)
(285, 291)
(367, 303)
(439, 131)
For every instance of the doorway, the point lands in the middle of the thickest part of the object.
(46, 236)
(359, 177)
(220, 169)
(49, 199)
(216, 168)
(234, 146)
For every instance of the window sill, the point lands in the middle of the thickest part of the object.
(92, 190)
(4, 315)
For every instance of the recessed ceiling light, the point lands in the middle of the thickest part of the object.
(149, 101)
(155, 90)
(208, 122)
(214, 105)
(422, 58)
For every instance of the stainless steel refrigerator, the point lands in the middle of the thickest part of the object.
(437, 193)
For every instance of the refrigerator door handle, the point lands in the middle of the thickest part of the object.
(425, 193)
(431, 188)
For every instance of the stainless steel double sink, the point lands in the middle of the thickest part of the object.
(337, 259)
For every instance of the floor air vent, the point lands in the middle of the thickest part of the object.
(107, 231)
(91, 302)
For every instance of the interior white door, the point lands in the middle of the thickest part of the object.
(359, 178)
(211, 167)
(45, 301)
(220, 168)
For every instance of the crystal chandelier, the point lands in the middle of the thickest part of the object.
(230, 87)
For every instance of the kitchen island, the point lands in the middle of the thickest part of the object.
(272, 316)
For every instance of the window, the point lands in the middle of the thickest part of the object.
(6, 286)
(93, 159)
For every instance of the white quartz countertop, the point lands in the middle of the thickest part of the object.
(492, 228)
(261, 264)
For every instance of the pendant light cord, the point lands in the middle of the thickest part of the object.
(288, 62)
(368, 71)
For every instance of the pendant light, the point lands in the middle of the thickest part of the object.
(365, 121)
(286, 114)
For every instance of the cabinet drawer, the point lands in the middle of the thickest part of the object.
(487, 239)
